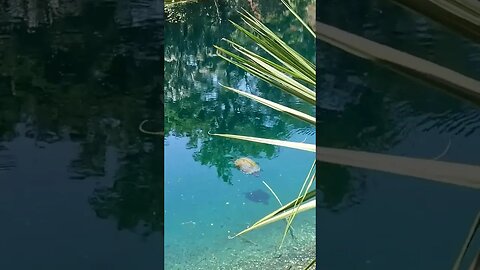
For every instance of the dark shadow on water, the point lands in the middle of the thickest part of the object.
(369, 218)
(84, 74)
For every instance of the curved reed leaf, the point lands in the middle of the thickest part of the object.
(440, 171)
(311, 194)
(475, 263)
(294, 145)
(277, 48)
(311, 264)
(269, 74)
(300, 115)
(446, 79)
(288, 76)
(310, 30)
(468, 241)
(306, 186)
(302, 208)
(462, 16)
(169, 3)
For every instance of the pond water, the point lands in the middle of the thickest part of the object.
(205, 196)
(373, 220)
(80, 186)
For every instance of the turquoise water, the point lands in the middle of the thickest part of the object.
(204, 194)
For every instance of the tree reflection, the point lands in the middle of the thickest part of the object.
(196, 105)
(136, 197)
(89, 72)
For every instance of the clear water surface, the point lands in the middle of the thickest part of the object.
(79, 184)
(204, 194)
(372, 220)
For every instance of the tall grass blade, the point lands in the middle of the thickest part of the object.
(444, 172)
(294, 145)
(276, 47)
(169, 3)
(257, 67)
(446, 79)
(462, 16)
(281, 204)
(302, 208)
(305, 188)
(298, 18)
(279, 50)
(475, 263)
(300, 115)
(473, 230)
(311, 264)
(285, 68)
(310, 195)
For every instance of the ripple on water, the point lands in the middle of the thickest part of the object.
(7, 161)
(463, 123)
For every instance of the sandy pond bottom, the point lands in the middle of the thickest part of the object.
(201, 212)
(256, 250)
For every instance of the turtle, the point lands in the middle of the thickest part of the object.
(247, 166)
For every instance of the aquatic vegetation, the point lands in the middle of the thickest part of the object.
(445, 79)
(188, 85)
(292, 73)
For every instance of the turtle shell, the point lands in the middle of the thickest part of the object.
(247, 166)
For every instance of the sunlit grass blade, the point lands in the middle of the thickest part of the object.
(297, 69)
(307, 183)
(270, 75)
(310, 30)
(280, 203)
(441, 77)
(169, 3)
(251, 66)
(290, 74)
(273, 74)
(462, 16)
(294, 145)
(300, 115)
(275, 46)
(282, 68)
(263, 61)
(468, 241)
(302, 208)
(277, 74)
(441, 171)
(311, 264)
(311, 194)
